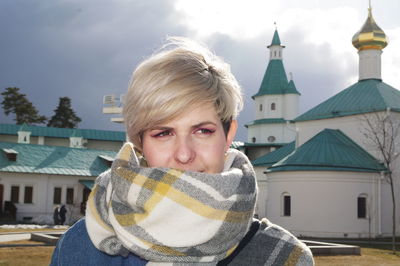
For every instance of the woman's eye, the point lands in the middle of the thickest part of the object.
(205, 131)
(162, 134)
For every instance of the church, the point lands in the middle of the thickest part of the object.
(323, 173)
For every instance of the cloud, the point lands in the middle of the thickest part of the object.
(318, 52)
(87, 49)
(79, 49)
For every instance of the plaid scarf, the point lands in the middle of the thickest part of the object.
(170, 216)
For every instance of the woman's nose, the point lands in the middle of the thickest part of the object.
(184, 152)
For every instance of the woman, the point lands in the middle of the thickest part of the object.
(176, 194)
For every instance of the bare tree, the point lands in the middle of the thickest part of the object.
(381, 130)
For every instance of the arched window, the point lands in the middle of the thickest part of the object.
(362, 206)
(286, 204)
(273, 106)
(253, 139)
(275, 53)
(260, 107)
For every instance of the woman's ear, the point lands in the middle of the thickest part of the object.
(231, 133)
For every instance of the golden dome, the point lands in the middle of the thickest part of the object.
(370, 36)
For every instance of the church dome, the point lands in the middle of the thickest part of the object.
(370, 36)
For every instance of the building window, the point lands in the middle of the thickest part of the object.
(271, 139)
(70, 196)
(253, 139)
(286, 204)
(28, 195)
(57, 195)
(260, 107)
(273, 106)
(14, 194)
(362, 206)
(275, 53)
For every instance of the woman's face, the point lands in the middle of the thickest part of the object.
(194, 141)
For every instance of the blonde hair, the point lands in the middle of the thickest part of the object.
(182, 75)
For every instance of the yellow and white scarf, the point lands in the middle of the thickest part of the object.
(170, 216)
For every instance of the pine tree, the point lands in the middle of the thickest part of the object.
(64, 116)
(16, 103)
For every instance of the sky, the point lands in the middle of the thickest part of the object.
(85, 49)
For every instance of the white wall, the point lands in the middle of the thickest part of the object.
(291, 108)
(352, 126)
(369, 64)
(324, 203)
(349, 125)
(266, 101)
(43, 190)
(261, 207)
(283, 133)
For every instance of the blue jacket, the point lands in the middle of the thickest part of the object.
(76, 248)
(265, 244)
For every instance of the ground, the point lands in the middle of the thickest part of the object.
(41, 255)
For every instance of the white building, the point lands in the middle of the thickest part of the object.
(276, 105)
(330, 182)
(43, 167)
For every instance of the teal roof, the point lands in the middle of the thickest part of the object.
(267, 121)
(276, 40)
(329, 150)
(365, 96)
(275, 80)
(12, 129)
(76, 133)
(87, 183)
(274, 156)
(53, 160)
(291, 88)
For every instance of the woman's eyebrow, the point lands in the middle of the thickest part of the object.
(201, 124)
(161, 128)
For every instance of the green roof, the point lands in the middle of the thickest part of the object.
(365, 96)
(276, 40)
(267, 121)
(329, 150)
(87, 183)
(291, 88)
(275, 80)
(12, 129)
(57, 160)
(274, 156)
(76, 133)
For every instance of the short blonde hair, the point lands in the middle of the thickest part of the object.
(182, 75)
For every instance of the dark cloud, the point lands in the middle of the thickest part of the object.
(79, 49)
